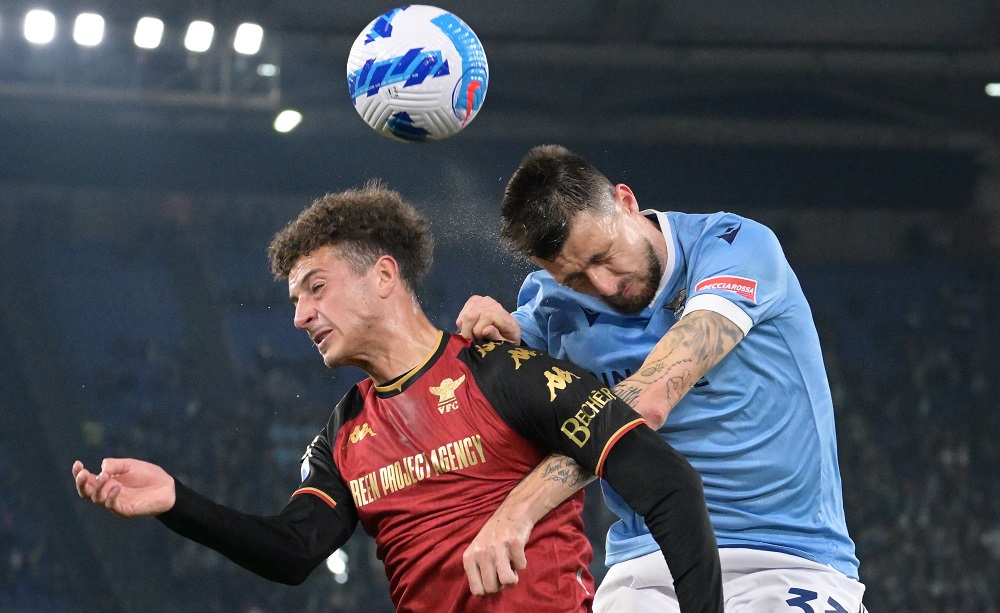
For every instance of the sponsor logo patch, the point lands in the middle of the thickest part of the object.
(740, 285)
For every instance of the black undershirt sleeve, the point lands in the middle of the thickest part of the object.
(662, 486)
(562, 408)
(284, 548)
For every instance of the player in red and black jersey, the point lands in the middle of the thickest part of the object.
(425, 450)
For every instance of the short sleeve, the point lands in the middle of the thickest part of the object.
(557, 405)
(530, 313)
(737, 269)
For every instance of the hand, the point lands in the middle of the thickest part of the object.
(496, 554)
(483, 318)
(130, 488)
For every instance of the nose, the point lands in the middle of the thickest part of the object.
(304, 314)
(603, 281)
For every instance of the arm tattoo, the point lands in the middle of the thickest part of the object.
(562, 469)
(706, 338)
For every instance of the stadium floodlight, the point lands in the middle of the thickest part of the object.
(287, 120)
(199, 36)
(39, 27)
(267, 70)
(248, 38)
(993, 89)
(148, 33)
(88, 30)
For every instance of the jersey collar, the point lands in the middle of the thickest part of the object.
(668, 237)
(400, 383)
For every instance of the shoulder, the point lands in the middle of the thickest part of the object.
(349, 407)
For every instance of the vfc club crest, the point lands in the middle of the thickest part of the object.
(446, 394)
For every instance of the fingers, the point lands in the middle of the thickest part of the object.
(473, 573)
(489, 568)
(483, 573)
(85, 481)
(99, 489)
(483, 318)
(517, 558)
(114, 466)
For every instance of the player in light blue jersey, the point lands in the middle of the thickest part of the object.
(699, 322)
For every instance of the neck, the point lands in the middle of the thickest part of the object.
(656, 237)
(400, 342)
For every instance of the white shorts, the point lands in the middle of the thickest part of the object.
(753, 581)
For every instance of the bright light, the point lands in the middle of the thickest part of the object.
(267, 70)
(287, 120)
(88, 29)
(248, 37)
(148, 33)
(39, 27)
(199, 36)
(337, 564)
(993, 89)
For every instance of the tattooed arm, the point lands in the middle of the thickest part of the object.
(684, 355)
(497, 553)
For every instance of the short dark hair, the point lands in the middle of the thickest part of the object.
(549, 188)
(363, 224)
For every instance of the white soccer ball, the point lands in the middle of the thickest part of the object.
(417, 73)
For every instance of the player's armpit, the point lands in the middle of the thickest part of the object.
(684, 355)
(284, 548)
(663, 487)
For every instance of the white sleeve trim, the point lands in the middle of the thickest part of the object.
(722, 306)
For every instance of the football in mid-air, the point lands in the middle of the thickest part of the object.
(417, 73)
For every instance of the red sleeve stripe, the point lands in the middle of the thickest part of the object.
(315, 492)
(614, 439)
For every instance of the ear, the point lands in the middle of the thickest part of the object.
(386, 275)
(626, 199)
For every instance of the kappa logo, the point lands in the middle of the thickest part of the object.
(521, 354)
(740, 285)
(558, 379)
(446, 394)
(359, 432)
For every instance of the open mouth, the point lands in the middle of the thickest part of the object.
(320, 337)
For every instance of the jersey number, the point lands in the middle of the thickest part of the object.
(804, 597)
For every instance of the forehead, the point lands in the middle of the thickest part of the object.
(589, 236)
(324, 259)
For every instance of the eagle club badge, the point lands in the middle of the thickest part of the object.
(445, 392)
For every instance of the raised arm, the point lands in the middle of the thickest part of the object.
(284, 548)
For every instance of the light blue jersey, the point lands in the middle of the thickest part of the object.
(759, 426)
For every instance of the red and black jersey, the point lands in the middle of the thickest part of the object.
(428, 458)
(424, 461)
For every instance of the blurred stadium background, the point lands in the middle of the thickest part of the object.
(139, 187)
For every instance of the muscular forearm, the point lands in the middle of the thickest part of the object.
(663, 487)
(683, 356)
(554, 480)
(284, 548)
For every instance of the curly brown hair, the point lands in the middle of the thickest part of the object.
(363, 224)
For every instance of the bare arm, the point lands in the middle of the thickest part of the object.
(497, 553)
(684, 355)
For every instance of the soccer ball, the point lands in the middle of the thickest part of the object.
(417, 73)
